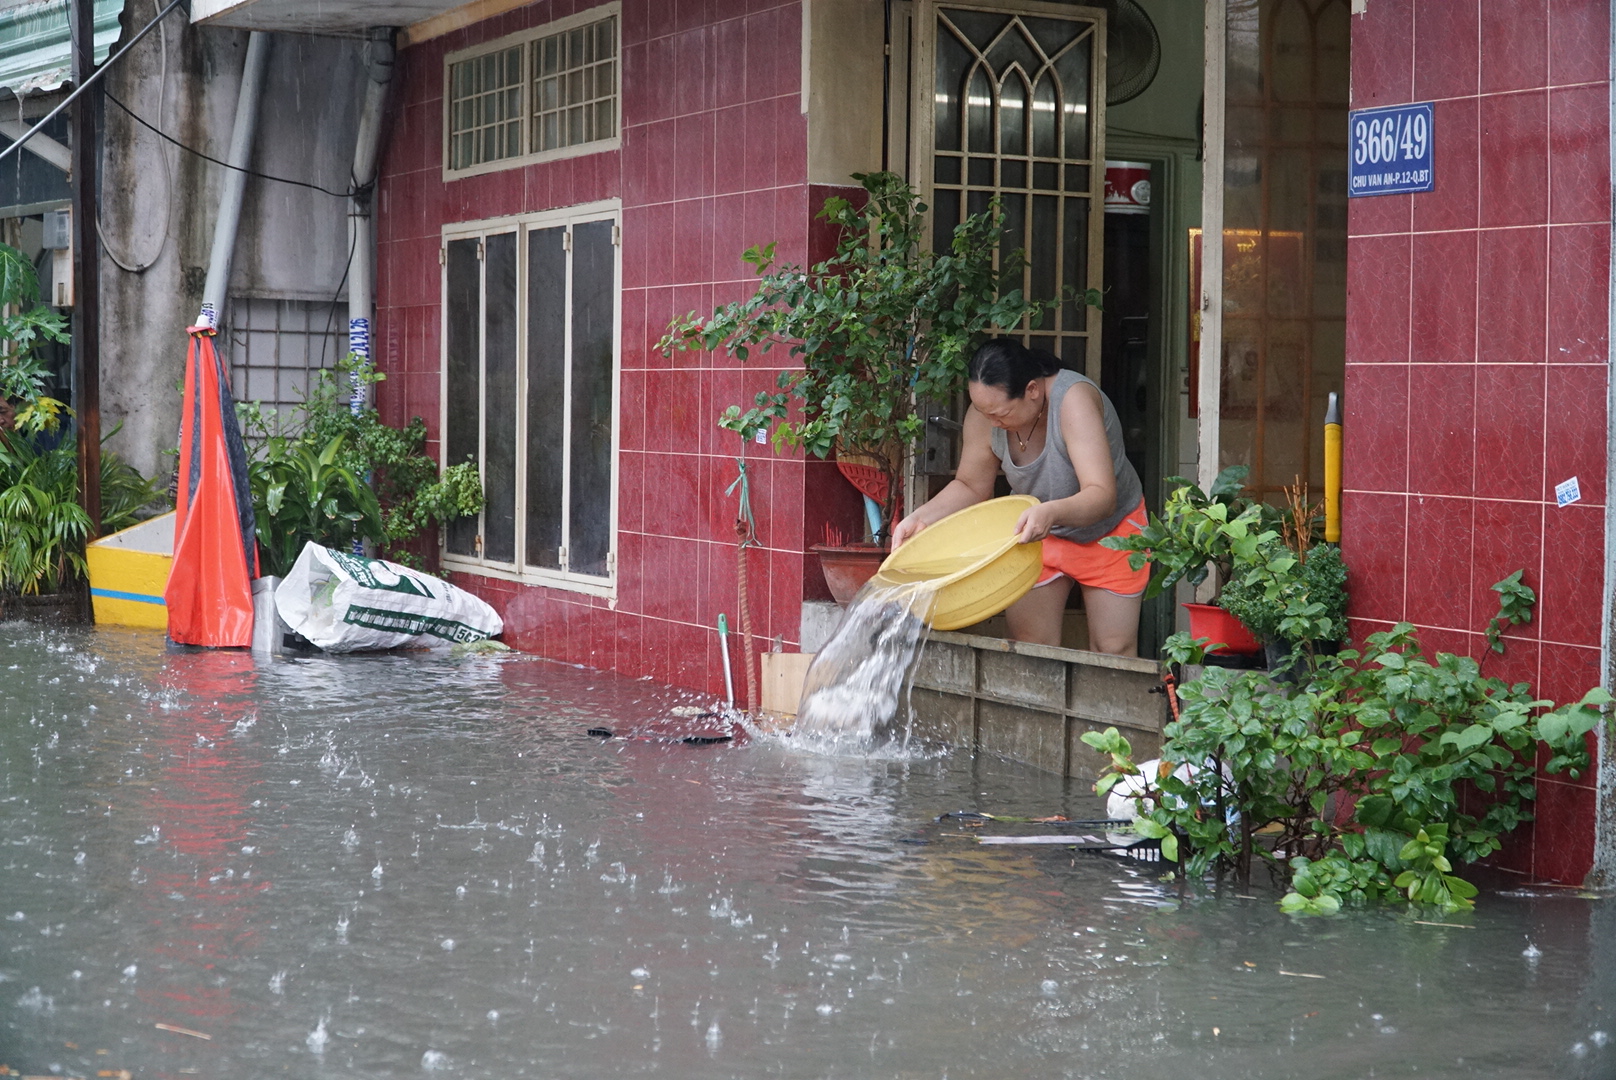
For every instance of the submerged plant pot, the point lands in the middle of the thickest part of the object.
(1213, 623)
(848, 567)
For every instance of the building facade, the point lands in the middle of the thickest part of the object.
(564, 178)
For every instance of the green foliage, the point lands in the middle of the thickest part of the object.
(1395, 735)
(25, 324)
(1282, 596)
(1198, 532)
(881, 327)
(42, 525)
(408, 490)
(1274, 579)
(1427, 879)
(1515, 602)
(308, 494)
(126, 496)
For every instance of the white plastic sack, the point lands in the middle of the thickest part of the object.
(345, 603)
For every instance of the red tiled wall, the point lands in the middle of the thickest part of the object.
(1476, 354)
(713, 159)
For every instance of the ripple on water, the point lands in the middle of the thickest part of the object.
(802, 907)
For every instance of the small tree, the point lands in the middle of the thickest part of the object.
(880, 327)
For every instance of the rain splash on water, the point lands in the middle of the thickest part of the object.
(419, 866)
(859, 681)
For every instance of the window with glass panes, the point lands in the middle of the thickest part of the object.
(546, 92)
(530, 393)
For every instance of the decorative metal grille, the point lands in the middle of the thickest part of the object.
(1016, 119)
(543, 94)
(575, 86)
(276, 346)
(485, 108)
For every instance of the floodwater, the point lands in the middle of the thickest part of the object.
(402, 866)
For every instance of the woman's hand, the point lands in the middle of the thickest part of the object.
(1035, 522)
(906, 530)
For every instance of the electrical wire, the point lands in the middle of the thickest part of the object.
(331, 315)
(350, 193)
(168, 172)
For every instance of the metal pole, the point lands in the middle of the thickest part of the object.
(1211, 298)
(235, 179)
(86, 269)
(361, 234)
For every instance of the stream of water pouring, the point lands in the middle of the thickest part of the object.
(859, 681)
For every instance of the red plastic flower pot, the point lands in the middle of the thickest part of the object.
(1213, 623)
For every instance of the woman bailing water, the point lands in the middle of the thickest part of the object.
(1055, 436)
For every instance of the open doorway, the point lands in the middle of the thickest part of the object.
(1248, 134)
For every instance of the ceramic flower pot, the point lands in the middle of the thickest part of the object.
(848, 566)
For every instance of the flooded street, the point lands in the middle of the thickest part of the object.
(406, 865)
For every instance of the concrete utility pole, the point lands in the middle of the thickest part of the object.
(86, 267)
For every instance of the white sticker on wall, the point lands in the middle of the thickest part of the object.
(1567, 492)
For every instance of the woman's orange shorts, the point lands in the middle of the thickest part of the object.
(1096, 565)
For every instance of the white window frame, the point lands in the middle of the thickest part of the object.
(571, 22)
(523, 225)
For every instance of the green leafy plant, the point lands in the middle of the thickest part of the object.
(880, 328)
(1197, 533)
(1272, 769)
(25, 324)
(409, 491)
(42, 525)
(1515, 601)
(307, 494)
(1284, 597)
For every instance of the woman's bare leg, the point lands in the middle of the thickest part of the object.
(1037, 618)
(1113, 621)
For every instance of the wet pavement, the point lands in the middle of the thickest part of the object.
(416, 865)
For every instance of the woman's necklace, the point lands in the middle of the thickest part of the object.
(1022, 443)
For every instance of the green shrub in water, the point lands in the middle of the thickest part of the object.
(1384, 731)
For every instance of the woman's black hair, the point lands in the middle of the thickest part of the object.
(1009, 365)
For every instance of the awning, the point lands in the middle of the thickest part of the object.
(36, 51)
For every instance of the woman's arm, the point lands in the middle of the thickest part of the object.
(972, 483)
(1082, 420)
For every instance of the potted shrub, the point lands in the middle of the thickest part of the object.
(881, 327)
(1196, 534)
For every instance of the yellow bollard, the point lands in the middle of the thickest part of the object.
(1332, 470)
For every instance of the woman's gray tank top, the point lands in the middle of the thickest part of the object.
(1050, 475)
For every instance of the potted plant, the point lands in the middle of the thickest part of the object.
(881, 327)
(1199, 533)
(1291, 591)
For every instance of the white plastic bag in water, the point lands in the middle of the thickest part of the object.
(345, 603)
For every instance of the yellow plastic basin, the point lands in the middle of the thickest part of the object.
(972, 559)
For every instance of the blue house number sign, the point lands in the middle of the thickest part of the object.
(1389, 150)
